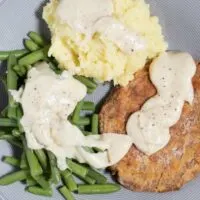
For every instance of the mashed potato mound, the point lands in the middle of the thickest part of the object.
(100, 58)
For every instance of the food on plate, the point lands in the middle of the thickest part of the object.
(149, 125)
(47, 100)
(175, 164)
(44, 117)
(4, 54)
(103, 39)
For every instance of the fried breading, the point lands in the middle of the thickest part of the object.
(173, 166)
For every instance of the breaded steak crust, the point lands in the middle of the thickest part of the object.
(173, 166)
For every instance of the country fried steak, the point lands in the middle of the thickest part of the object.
(173, 166)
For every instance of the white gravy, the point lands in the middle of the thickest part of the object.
(171, 73)
(47, 101)
(91, 16)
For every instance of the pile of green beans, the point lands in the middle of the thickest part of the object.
(38, 168)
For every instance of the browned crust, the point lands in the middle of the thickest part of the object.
(173, 166)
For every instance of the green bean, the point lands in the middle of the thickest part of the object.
(69, 180)
(87, 179)
(101, 179)
(86, 133)
(82, 128)
(12, 112)
(42, 182)
(23, 162)
(55, 174)
(2, 133)
(95, 124)
(86, 81)
(40, 191)
(41, 157)
(82, 121)
(17, 69)
(66, 193)
(34, 165)
(33, 57)
(21, 129)
(12, 161)
(88, 105)
(90, 91)
(77, 168)
(11, 139)
(16, 133)
(5, 122)
(11, 85)
(6, 137)
(19, 112)
(20, 70)
(30, 45)
(3, 79)
(18, 53)
(19, 116)
(98, 189)
(38, 39)
(76, 114)
(13, 177)
(89, 149)
(30, 181)
(4, 112)
(11, 75)
(96, 149)
(54, 67)
(15, 143)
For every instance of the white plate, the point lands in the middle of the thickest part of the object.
(181, 25)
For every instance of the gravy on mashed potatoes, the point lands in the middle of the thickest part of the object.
(100, 57)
